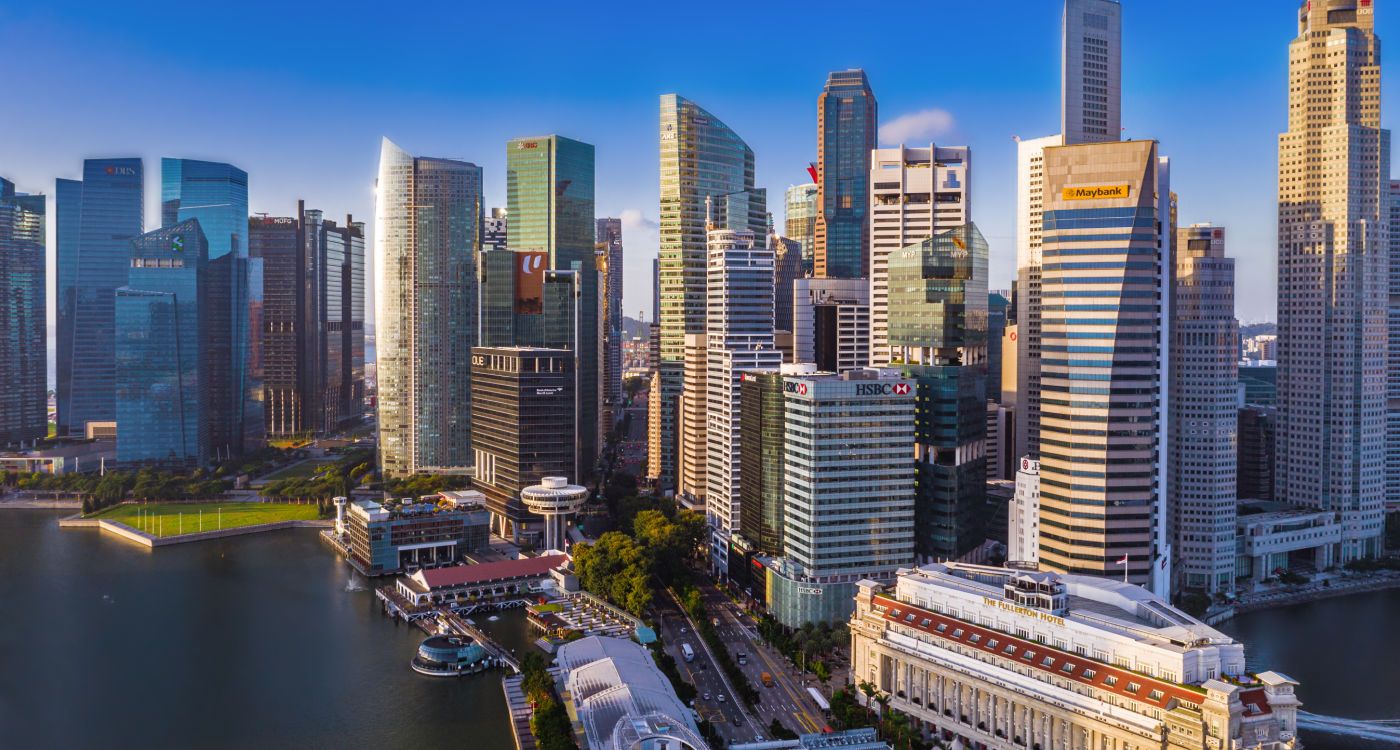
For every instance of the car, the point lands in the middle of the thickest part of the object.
(707, 696)
(743, 659)
(720, 698)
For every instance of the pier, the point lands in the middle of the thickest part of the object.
(442, 619)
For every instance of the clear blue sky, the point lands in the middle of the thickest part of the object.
(299, 93)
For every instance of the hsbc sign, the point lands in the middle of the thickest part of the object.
(883, 389)
(790, 386)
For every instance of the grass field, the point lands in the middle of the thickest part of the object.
(173, 519)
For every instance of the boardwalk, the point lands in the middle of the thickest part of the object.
(520, 709)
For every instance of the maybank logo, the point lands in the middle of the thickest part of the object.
(1094, 193)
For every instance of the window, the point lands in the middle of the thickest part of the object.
(942, 627)
(1010, 649)
(1089, 674)
(975, 638)
(1155, 695)
(1067, 668)
(1133, 687)
(1110, 681)
(1028, 655)
(1048, 661)
(924, 622)
(958, 633)
(909, 617)
(992, 643)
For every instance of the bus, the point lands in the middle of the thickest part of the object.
(819, 699)
(687, 652)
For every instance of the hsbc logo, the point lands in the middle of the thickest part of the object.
(795, 387)
(882, 389)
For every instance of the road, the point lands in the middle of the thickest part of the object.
(787, 701)
(727, 717)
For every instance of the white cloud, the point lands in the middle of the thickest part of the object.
(916, 127)
(633, 220)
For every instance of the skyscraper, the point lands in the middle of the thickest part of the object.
(1333, 176)
(1204, 419)
(96, 220)
(739, 338)
(608, 236)
(495, 230)
(23, 317)
(549, 199)
(914, 193)
(847, 130)
(1104, 326)
(1091, 89)
(997, 302)
(700, 158)
(217, 195)
(1030, 201)
(165, 352)
(1392, 370)
(691, 424)
(831, 322)
(427, 235)
(524, 303)
(938, 332)
(787, 269)
(800, 222)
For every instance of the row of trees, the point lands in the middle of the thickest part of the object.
(549, 721)
(101, 491)
(809, 646)
(894, 727)
(625, 568)
(335, 479)
(695, 607)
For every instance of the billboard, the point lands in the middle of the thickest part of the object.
(529, 282)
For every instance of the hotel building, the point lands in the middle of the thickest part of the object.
(1010, 660)
(1104, 332)
(914, 194)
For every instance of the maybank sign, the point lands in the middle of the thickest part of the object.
(1094, 192)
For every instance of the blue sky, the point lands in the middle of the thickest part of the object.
(299, 93)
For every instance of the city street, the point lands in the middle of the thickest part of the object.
(727, 717)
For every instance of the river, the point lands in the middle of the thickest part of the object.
(262, 641)
(1342, 652)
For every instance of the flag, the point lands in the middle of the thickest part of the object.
(1124, 561)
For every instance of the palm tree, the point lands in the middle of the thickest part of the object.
(869, 690)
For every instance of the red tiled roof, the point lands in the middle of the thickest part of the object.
(462, 575)
(1038, 655)
(1256, 702)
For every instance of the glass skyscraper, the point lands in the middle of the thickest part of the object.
(525, 304)
(427, 236)
(847, 123)
(163, 353)
(800, 222)
(549, 199)
(217, 195)
(700, 158)
(23, 316)
(96, 220)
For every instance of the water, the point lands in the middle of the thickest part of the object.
(262, 641)
(1342, 651)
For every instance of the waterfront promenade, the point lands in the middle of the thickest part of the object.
(1322, 588)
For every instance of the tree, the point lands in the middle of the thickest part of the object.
(617, 569)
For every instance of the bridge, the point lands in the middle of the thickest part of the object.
(1384, 730)
(458, 625)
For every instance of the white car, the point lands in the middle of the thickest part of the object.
(720, 698)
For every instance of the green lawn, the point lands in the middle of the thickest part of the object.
(173, 519)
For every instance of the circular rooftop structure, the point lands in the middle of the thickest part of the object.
(554, 499)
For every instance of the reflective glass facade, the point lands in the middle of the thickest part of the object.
(761, 461)
(847, 124)
(549, 199)
(524, 304)
(700, 158)
(162, 353)
(23, 317)
(800, 222)
(97, 219)
(427, 236)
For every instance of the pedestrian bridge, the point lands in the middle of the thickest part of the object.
(1385, 730)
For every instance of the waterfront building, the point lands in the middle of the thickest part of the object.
(937, 335)
(621, 699)
(313, 332)
(387, 537)
(449, 656)
(1332, 285)
(608, 236)
(800, 222)
(427, 230)
(915, 193)
(216, 194)
(549, 199)
(847, 130)
(848, 495)
(691, 424)
(1091, 89)
(831, 323)
(787, 269)
(997, 302)
(523, 407)
(495, 231)
(1258, 426)
(96, 219)
(1023, 523)
(1103, 365)
(1204, 389)
(864, 738)
(23, 320)
(707, 178)
(1271, 537)
(475, 582)
(738, 338)
(165, 351)
(1006, 659)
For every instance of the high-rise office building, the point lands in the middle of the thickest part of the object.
(608, 236)
(847, 131)
(313, 332)
(914, 194)
(525, 303)
(23, 317)
(495, 231)
(96, 220)
(831, 323)
(1091, 89)
(523, 403)
(427, 233)
(1030, 199)
(937, 320)
(739, 338)
(1258, 431)
(848, 495)
(1104, 327)
(1333, 176)
(787, 269)
(762, 425)
(997, 302)
(1023, 523)
(691, 424)
(1204, 391)
(1392, 370)
(701, 158)
(216, 194)
(549, 199)
(800, 222)
(165, 351)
